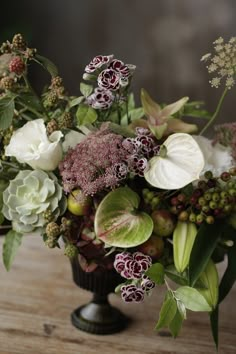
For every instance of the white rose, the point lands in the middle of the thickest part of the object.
(217, 157)
(30, 144)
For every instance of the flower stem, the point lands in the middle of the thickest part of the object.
(215, 113)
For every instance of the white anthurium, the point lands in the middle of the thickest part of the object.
(72, 139)
(30, 144)
(181, 165)
(217, 157)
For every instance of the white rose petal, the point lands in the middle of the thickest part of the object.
(217, 158)
(182, 164)
(30, 144)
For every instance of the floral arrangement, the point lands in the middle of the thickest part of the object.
(131, 189)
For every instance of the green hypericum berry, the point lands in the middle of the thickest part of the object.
(71, 251)
(227, 208)
(212, 204)
(230, 184)
(183, 216)
(208, 175)
(150, 195)
(155, 201)
(192, 217)
(232, 192)
(223, 194)
(210, 219)
(202, 201)
(215, 197)
(208, 195)
(199, 218)
(205, 208)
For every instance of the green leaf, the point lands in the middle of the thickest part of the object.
(183, 239)
(118, 221)
(47, 64)
(214, 316)
(124, 131)
(7, 107)
(210, 279)
(167, 312)
(11, 244)
(204, 245)
(131, 102)
(76, 101)
(85, 115)
(156, 273)
(29, 100)
(86, 89)
(192, 299)
(181, 279)
(176, 324)
(229, 276)
(133, 114)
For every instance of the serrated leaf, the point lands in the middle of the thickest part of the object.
(86, 89)
(167, 312)
(156, 273)
(176, 324)
(210, 279)
(192, 299)
(85, 115)
(47, 64)
(119, 223)
(183, 239)
(11, 244)
(204, 245)
(7, 107)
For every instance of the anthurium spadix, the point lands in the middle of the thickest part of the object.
(119, 223)
(180, 165)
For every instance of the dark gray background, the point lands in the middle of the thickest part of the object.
(164, 38)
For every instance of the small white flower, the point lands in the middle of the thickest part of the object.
(30, 144)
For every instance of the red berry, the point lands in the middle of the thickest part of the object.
(17, 66)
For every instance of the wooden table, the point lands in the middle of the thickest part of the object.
(38, 295)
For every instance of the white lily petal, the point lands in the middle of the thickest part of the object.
(182, 164)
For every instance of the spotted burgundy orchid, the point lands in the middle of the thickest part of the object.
(147, 284)
(100, 99)
(97, 62)
(119, 67)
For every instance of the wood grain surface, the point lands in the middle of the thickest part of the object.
(38, 295)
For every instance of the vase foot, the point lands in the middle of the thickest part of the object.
(99, 319)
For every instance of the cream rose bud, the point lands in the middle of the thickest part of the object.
(30, 144)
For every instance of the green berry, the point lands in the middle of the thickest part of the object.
(202, 201)
(208, 195)
(199, 218)
(212, 204)
(192, 217)
(150, 195)
(183, 216)
(210, 219)
(215, 197)
(208, 175)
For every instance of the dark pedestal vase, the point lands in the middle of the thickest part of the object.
(98, 316)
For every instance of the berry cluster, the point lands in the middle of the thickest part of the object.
(214, 198)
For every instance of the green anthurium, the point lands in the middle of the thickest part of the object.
(119, 223)
(181, 165)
